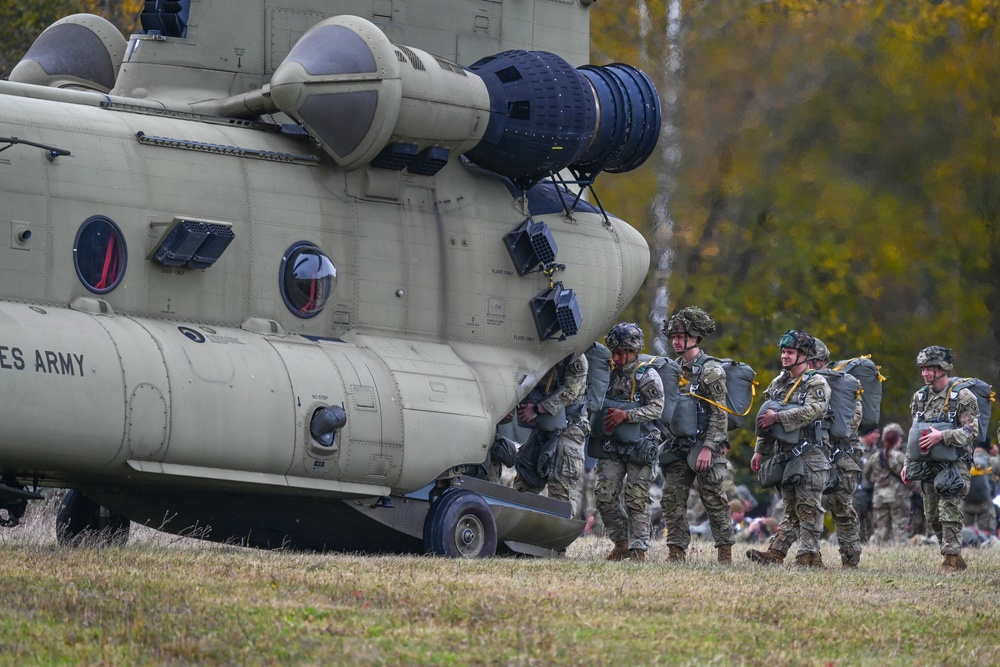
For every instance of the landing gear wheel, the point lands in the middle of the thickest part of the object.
(80, 519)
(460, 525)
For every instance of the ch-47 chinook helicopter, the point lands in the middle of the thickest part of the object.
(272, 271)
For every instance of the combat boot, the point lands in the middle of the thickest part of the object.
(676, 553)
(637, 555)
(726, 554)
(809, 560)
(953, 563)
(620, 552)
(769, 557)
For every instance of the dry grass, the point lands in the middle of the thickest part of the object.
(167, 600)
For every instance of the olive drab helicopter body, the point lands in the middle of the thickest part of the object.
(272, 272)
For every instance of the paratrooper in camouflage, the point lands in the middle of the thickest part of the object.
(933, 403)
(701, 376)
(844, 456)
(623, 480)
(810, 394)
(564, 388)
(890, 495)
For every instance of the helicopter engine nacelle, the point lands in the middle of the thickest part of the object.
(80, 51)
(521, 114)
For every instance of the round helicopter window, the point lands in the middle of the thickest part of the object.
(99, 254)
(308, 278)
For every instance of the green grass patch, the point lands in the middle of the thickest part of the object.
(163, 600)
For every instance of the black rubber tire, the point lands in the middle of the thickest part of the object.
(79, 520)
(460, 524)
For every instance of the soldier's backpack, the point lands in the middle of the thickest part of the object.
(844, 392)
(867, 374)
(981, 487)
(984, 397)
(741, 388)
(670, 374)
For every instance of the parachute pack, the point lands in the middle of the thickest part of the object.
(598, 376)
(985, 396)
(741, 388)
(867, 374)
(845, 389)
(982, 486)
(670, 374)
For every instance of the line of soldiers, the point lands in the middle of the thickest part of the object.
(811, 466)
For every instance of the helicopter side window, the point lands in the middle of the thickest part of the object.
(99, 254)
(308, 278)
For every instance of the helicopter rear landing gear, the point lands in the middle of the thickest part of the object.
(460, 525)
(80, 520)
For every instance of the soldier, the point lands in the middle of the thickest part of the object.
(844, 455)
(807, 396)
(863, 494)
(977, 506)
(564, 388)
(933, 403)
(701, 376)
(890, 496)
(629, 469)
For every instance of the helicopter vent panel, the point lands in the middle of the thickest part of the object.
(396, 156)
(429, 161)
(449, 66)
(414, 59)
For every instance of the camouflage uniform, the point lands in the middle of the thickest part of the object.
(840, 499)
(863, 496)
(629, 520)
(890, 496)
(566, 480)
(843, 455)
(982, 514)
(803, 512)
(678, 477)
(943, 514)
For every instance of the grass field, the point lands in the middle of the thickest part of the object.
(167, 600)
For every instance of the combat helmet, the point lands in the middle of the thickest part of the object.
(796, 339)
(822, 352)
(935, 355)
(692, 321)
(624, 336)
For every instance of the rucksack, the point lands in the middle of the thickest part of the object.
(598, 375)
(741, 388)
(844, 392)
(867, 373)
(984, 397)
(981, 485)
(670, 374)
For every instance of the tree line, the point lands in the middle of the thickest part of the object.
(839, 173)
